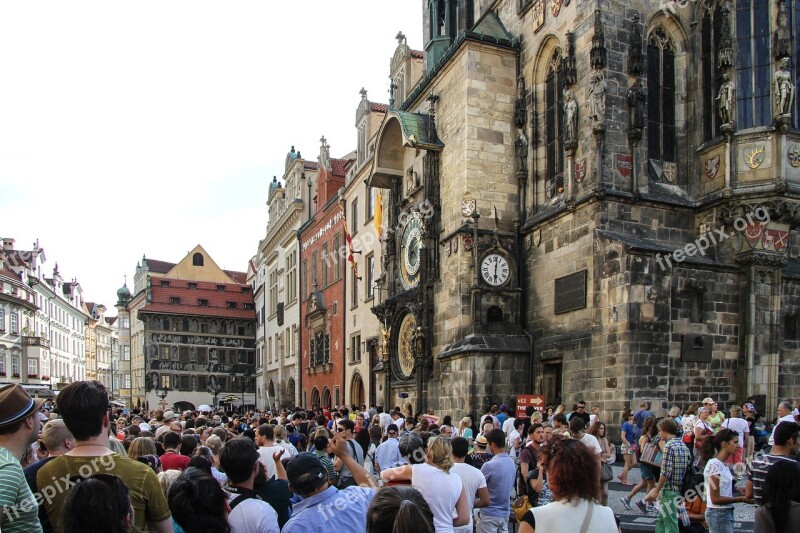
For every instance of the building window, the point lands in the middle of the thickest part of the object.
(220, 287)
(126, 353)
(14, 323)
(197, 259)
(370, 288)
(314, 267)
(249, 307)
(353, 289)
(232, 305)
(2, 363)
(711, 29)
(304, 280)
(15, 366)
(354, 214)
(753, 87)
(166, 382)
(273, 291)
(696, 302)
(2, 319)
(202, 302)
(371, 203)
(355, 349)
(790, 327)
(324, 266)
(660, 97)
(554, 120)
(291, 276)
(337, 257)
(127, 381)
(165, 283)
(174, 300)
(33, 368)
(193, 286)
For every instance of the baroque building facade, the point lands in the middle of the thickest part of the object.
(594, 200)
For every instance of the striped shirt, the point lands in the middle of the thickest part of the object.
(20, 510)
(758, 472)
(674, 464)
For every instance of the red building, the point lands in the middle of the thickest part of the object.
(323, 275)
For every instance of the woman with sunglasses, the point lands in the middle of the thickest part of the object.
(98, 504)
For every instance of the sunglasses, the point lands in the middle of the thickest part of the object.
(122, 502)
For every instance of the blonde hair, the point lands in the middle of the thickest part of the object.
(280, 433)
(465, 423)
(166, 478)
(214, 443)
(560, 409)
(142, 446)
(536, 417)
(440, 453)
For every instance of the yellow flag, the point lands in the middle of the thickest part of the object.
(379, 213)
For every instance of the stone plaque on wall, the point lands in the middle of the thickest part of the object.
(570, 292)
(696, 348)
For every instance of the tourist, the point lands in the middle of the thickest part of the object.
(719, 481)
(740, 426)
(100, 503)
(702, 432)
(715, 416)
(320, 442)
(785, 415)
(500, 473)
(628, 446)
(57, 440)
(83, 405)
(198, 503)
(19, 428)
(140, 447)
(580, 412)
(248, 512)
(781, 509)
(399, 509)
(472, 479)
(387, 454)
(641, 414)
(265, 435)
(648, 481)
(480, 454)
(171, 459)
(375, 436)
(573, 471)
(607, 456)
(206, 453)
(514, 439)
(675, 463)
(787, 445)
(344, 430)
(442, 490)
(325, 508)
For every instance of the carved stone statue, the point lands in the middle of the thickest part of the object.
(636, 100)
(419, 342)
(726, 98)
(521, 151)
(597, 97)
(570, 117)
(784, 90)
(520, 109)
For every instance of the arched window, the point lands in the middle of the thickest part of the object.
(753, 87)
(197, 259)
(494, 315)
(315, 398)
(554, 136)
(661, 76)
(711, 29)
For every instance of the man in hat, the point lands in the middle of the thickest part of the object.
(19, 428)
(387, 454)
(84, 408)
(169, 417)
(324, 507)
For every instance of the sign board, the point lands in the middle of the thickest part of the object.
(524, 400)
(570, 292)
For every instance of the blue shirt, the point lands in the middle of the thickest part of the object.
(387, 454)
(331, 510)
(500, 474)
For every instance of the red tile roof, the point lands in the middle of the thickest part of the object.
(310, 165)
(110, 320)
(380, 108)
(238, 277)
(339, 166)
(417, 54)
(162, 297)
(9, 273)
(161, 267)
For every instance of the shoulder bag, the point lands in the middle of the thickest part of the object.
(651, 455)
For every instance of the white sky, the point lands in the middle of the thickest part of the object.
(150, 127)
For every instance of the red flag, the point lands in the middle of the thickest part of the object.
(350, 254)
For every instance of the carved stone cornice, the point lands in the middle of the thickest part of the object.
(763, 258)
(783, 210)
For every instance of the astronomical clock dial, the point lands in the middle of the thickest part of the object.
(410, 250)
(495, 269)
(405, 345)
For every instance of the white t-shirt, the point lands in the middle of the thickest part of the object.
(591, 442)
(472, 479)
(740, 426)
(291, 451)
(441, 490)
(715, 467)
(687, 423)
(508, 425)
(385, 419)
(787, 418)
(566, 516)
(265, 453)
(252, 516)
(510, 443)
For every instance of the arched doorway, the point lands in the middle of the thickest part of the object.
(326, 397)
(357, 390)
(290, 400)
(271, 400)
(315, 398)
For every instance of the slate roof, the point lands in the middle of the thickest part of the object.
(652, 245)
(189, 299)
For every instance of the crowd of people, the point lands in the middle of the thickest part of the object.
(82, 465)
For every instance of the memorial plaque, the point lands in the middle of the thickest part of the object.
(697, 348)
(570, 292)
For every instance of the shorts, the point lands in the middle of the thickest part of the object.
(646, 471)
(625, 449)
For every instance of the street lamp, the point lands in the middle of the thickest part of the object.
(214, 388)
(244, 379)
(163, 394)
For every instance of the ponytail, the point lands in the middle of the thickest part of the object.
(400, 509)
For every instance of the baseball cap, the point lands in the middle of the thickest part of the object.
(391, 428)
(302, 464)
(708, 400)
(169, 415)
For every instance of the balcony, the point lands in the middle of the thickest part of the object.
(36, 341)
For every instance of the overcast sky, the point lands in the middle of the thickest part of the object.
(130, 128)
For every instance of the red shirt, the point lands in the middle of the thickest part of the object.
(173, 461)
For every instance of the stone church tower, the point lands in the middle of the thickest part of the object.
(597, 200)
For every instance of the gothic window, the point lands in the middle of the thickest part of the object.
(337, 257)
(753, 87)
(711, 74)
(494, 315)
(324, 265)
(661, 97)
(197, 259)
(554, 140)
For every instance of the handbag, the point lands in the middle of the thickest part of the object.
(606, 473)
(521, 506)
(651, 455)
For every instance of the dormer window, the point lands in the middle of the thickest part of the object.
(220, 287)
(164, 283)
(197, 259)
(174, 300)
(231, 305)
(202, 303)
(193, 286)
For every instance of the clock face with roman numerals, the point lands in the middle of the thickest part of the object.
(495, 270)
